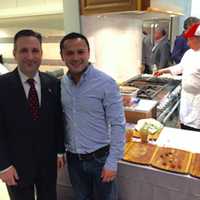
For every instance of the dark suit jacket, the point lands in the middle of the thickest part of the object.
(30, 145)
(161, 54)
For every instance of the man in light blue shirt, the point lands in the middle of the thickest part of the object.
(95, 122)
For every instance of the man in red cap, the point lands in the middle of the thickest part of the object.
(189, 67)
(180, 43)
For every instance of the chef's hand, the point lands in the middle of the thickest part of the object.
(60, 162)
(108, 175)
(157, 73)
(10, 176)
(161, 72)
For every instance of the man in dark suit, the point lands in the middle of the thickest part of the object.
(161, 54)
(31, 127)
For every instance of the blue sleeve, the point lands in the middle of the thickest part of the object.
(115, 118)
(180, 47)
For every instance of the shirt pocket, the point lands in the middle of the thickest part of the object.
(90, 103)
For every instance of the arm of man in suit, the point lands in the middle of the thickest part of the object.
(60, 130)
(8, 173)
(9, 176)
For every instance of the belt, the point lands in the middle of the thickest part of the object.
(89, 156)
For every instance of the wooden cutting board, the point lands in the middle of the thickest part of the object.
(137, 152)
(195, 165)
(170, 159)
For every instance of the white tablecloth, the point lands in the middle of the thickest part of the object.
(180, 139)
(137, 182)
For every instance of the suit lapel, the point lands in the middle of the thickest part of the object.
(17, 87)
(44, 92)
(159, 44)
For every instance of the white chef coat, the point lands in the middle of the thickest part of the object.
(190, 94)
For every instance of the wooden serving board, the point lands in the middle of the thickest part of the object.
(137, 152)
(170, 159)
(195, 165)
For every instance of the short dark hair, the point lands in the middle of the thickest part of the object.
(28, 33)
(72, 36)
(189, 21)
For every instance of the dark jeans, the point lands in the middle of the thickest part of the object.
(85, 176)
(189, 128)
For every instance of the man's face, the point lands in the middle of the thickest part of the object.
(28, 54)
(194, 43)
(157, 35)
(75, 54)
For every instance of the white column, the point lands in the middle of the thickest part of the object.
(71, 16)
(187, 4)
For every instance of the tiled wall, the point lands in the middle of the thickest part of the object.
(115, 43)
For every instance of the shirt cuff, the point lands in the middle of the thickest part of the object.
(5, 169)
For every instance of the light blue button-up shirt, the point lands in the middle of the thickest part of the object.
(94, 115)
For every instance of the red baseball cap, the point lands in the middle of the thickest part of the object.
(192, 31)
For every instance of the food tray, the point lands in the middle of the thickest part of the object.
(171, 159)
(140, 153)
(195, 165)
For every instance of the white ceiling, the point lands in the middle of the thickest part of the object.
(48, 25)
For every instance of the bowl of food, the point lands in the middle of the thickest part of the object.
(148, 127)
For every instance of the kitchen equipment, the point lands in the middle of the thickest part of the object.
(166, 91)
(144, 109)
(129, 95)
(128, 90)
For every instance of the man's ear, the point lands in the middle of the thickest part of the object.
(61, 56)
(14, 52)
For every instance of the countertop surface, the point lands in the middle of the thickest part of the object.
(144, 105)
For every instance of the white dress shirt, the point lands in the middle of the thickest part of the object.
(26, 85)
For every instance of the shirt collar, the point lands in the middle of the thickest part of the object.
(24, 77)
